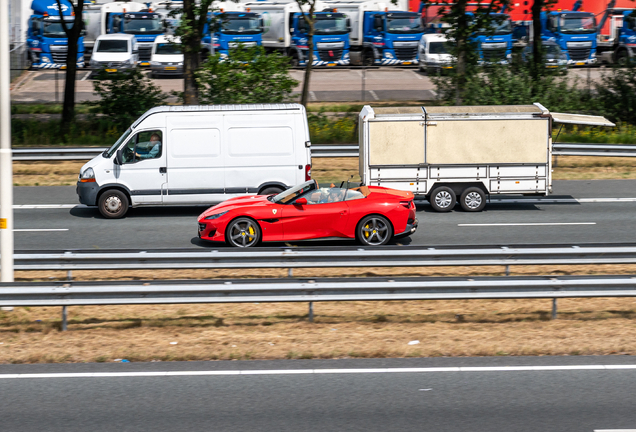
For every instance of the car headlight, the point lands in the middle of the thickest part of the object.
(88, 175)
(216, 216)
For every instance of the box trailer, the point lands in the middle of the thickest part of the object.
(450, 154)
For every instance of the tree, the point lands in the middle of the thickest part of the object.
(194, 17)
(248, 75)
(72, 34)
(311, 21)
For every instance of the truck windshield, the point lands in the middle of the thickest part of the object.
(498, 27)
(168, 49)
(111, 151)
(330, 24)
(241, 25)
(437, 48)
(112, 46)
(582, 24)
(55, 29)
(404, 24)
(139, 26)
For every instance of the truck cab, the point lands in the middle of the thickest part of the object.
(145, 25)
(391, 38)
(331, 39)
(495, 44)
(574, 32)
(233, 28)
(46, 40)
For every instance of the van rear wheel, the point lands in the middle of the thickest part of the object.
(113, 204)
(272, 190)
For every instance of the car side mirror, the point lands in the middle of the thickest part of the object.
(118, 157)
(301, 201)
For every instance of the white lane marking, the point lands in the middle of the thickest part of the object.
(417, 75)
(313, 96)
(40, 229)
(614, 430)
(375, 96)
(47, 206)
(318, 371)
(85, 76)
(528, 224)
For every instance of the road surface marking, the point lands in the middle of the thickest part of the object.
(313, 96)
(48, 206)
(528, 224)
(319, 371)
(614, 430)
(85, 76)
(375, 96)
(40, 229)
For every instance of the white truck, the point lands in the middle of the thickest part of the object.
(448, 154)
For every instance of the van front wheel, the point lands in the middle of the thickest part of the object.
(113, 204)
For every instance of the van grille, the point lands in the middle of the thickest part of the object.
(406, 53)
(332, 54)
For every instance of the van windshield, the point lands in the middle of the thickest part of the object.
(111, 151)
(437, 48)
(113, 45)
(168, 48)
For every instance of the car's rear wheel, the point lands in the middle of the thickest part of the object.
(243, 232)
(374, 230)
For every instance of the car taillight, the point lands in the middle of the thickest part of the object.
(406, 204)
(307, 172)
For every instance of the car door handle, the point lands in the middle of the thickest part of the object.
(163, 170)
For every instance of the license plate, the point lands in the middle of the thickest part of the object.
(62, 67)
(580, 64)
(331, 64)
(551, 66)
(406, 63)
(447, 67)
(111, 70)
(144, 64)
(170, 68)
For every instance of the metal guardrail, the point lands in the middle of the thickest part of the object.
(397, 256)
(317, 151)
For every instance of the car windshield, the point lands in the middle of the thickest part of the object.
(578, 24)
(404, 24)
(55, 29)
(330, 24)
(241, 25)
(168, 48)
(437, 48)
(112, 46)
(108, 153)
(290, 194)
(143, 26)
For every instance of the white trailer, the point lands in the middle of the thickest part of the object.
(464, 154)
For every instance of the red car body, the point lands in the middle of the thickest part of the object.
(290, 218)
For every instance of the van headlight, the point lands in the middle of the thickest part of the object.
(87, 176)
(155, 63)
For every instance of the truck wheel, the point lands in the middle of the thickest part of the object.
(473, 199)
(374, 230)
(622, 58)
(443, 199)
(113, 204)
(367, 58)
(270, 191)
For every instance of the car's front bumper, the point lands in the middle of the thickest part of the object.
(166, 70)
(410, 229)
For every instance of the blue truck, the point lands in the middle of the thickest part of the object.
(285, 31)
(494, 44)
(575, 32)
(46, 40)
(391, 38)
(232, 28)
(618, 43)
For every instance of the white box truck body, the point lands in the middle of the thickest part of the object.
(199, 155)
(464, 154)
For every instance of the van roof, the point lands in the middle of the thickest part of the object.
(203, 108)
(165, 39)
(116, 36)
(435, 37)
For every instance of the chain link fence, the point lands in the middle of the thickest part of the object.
(18, 60)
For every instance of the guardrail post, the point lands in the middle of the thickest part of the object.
(554, 308)
(311, 311)
(507, 270)
(290, 272)
(64, 318)
(69, 275)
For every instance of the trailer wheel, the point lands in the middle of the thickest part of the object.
(443, 199)
(473, 199)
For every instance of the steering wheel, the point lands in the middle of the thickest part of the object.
(128, 154)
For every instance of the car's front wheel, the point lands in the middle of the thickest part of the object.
(243, 232)
(374, 230)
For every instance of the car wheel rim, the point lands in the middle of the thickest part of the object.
(375, 231)
(112, 204)
(473, 200)
(243, 234)
(443, 199)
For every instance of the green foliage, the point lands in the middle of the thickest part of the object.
(504, 85)
(616, 94)
(249, 75)
(325, 130)
(97, 131)
(125, 95)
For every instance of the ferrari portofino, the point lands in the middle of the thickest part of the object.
(373, 215)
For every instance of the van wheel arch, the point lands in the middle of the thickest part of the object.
(271, 185)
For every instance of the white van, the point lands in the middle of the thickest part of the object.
(189, 155)
(166, 57)
(433, 53)
(115, 52)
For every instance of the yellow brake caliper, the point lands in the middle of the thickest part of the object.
(251, 233)
(366, 233)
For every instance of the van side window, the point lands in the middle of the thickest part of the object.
(144, 145)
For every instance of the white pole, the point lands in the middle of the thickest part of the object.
(6, 169)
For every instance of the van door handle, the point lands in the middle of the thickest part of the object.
(163, 170)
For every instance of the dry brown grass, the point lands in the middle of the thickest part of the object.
(340, 330)
(64, 173)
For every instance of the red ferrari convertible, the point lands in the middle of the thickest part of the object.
(372, 215)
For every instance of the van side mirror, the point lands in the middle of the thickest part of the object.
(301, 201)
(118, 157)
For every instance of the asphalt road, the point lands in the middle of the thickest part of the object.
(552, 394)
(50, 218)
